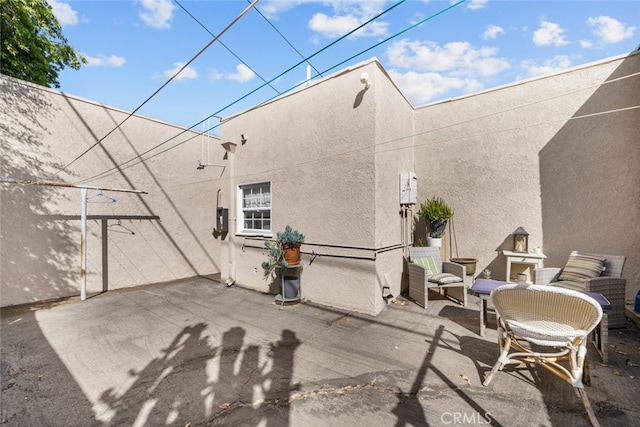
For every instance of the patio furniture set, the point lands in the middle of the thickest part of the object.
(548, 322)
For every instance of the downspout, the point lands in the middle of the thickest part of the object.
(230, 148)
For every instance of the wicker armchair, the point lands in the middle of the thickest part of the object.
(610, 284)
(419, 283)
(556, 321)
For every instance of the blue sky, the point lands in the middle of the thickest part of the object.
(135, 46)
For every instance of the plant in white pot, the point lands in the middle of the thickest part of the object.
(436, 213)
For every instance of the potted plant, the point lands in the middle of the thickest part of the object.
(284, 251)
(436, 213)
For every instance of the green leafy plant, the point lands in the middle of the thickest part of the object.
(290, 237)
(286, 239)
(436, 212)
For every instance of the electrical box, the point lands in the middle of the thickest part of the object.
(222, 220)
(408, 188)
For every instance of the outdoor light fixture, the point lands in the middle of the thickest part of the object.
(520, 240)
(364, 79)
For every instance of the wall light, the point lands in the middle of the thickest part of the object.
(364, 79)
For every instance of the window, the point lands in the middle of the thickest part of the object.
(255, 208)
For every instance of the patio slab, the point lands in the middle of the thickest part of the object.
(198, 353)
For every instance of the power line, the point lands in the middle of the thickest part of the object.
(161, 87)
(224, 45)
(119, 166)
(285, 39)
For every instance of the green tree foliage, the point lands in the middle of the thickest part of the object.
(32, 46)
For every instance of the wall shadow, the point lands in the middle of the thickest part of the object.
(26, 242)
(589, 176)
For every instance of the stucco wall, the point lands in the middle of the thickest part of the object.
(557, 155)
(160, 236)
(318, 147)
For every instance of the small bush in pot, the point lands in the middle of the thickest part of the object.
(436, 213)
(284, 251)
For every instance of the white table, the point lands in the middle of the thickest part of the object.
(519, 262)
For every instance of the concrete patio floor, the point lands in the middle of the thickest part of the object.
(196, 353)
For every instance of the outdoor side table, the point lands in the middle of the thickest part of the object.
(282, 297)
(482, 288)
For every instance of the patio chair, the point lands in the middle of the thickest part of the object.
(548, 326)
(591, 273)
(428, 271)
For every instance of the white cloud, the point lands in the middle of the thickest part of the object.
(492, 32)
(242, 74)
(476, 4)
(105, 61)
(455, 58)
(610, 30)
(157, 13)
(187, 73)
(337, 26)
(421, 88)
(348, 15)
(434, 70)
(63, 13)
(548, 66)
(548, 34)
(586, 44)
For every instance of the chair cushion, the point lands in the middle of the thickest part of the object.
(444, 278)
(581, 267)
(429, 263)
(567, 284)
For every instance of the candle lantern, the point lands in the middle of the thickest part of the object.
(520, 240)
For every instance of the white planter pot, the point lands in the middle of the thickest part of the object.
(434, 241)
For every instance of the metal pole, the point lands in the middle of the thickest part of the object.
(83, 244)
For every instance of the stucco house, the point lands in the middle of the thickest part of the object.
(557, 155)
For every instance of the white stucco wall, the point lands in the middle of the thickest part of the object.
(44, 130)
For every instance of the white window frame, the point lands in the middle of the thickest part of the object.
(261, 202)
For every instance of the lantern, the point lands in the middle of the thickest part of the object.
(520, 240)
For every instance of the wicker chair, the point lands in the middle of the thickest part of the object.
(546, 325)
(610, 284)
(419, 283)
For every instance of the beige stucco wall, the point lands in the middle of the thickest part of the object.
(44, 130)
(331, 180)
(557, 155)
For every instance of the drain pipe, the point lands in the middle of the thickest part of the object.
(230, 148)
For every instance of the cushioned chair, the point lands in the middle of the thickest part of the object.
(548, 326)
(428, 271)
(591, 273)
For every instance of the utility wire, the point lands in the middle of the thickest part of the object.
(161, 87)
(224, 45)
(118, 167)
(285, 39)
